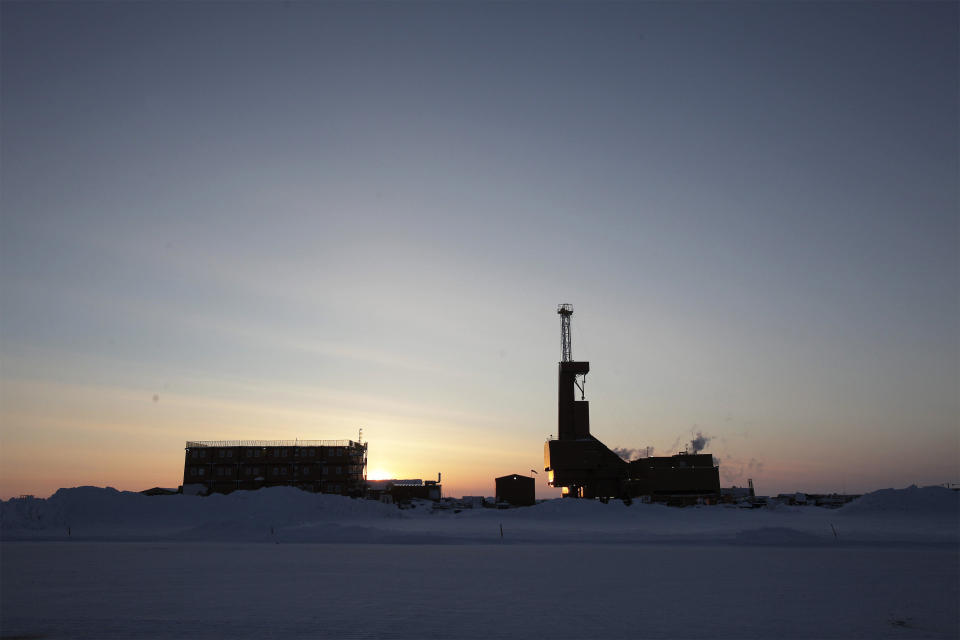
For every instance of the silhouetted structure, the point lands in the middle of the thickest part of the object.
(583, 467)
(159, 491)
(520, 491)
(327, 466)
(403, 491)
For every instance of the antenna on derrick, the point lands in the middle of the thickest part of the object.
(566, 345)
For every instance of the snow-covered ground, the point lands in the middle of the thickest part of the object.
(283, 563)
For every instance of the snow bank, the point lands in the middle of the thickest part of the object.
(284, 514)
(98, 512)
(916, 501)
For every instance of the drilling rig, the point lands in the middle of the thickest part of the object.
(576, 461)
(584, 467)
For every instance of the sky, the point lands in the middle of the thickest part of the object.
(278, 220)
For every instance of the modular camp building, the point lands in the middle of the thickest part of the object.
(323, 466)
(517, 490)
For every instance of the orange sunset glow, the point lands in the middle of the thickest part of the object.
(287, 236)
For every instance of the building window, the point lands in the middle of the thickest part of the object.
(193, 471)
(313, 452)
(200, 471)
(203, 453)
(229, 453)
(276, 471)
(193, 454)
(283, 471)
(337, 470)
(257, 453)
(276, 452)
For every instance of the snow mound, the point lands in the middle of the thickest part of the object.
(96, 509)
(916, 501)
(926, 516)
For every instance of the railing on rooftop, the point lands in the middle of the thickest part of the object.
(273, 443)
(407, 483)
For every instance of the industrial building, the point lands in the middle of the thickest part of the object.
(517, 490)
(322, 466)
(584, 467)
(403, 491)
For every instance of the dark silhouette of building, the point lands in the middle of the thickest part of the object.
(583, 467)
(325, 466)
(679, 479)
(403, 491)
(520, 491)
(159, 491)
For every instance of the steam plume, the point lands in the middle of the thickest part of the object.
(699, 442)
(633, 454)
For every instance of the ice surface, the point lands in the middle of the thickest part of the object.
(229, 590)
(885, 566)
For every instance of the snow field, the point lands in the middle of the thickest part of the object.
(97, 563)
(215, 590)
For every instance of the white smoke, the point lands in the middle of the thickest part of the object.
(633, 454)
(699, 442)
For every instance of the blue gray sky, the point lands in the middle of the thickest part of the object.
(278, 220)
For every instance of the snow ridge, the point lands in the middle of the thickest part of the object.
(913, 516)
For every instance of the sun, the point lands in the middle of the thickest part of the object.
(378, 474)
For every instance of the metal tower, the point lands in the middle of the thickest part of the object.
(566, 346)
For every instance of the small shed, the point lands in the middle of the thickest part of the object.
(518, 490)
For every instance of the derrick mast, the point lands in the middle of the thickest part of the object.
(577, 462)
(573, 415)
(566, 346)
(583, 467)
